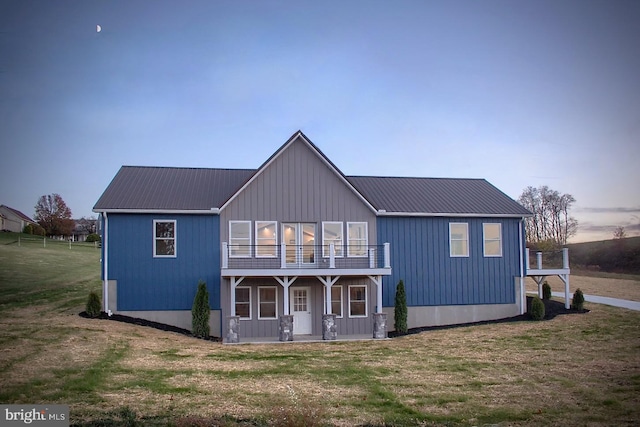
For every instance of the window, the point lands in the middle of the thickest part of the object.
(492, 233)
(336, 301)
(332, 233)
(164, 238)
(267, 302)
(357, 301)
(459, 239)
(243, 303)
(357, 244)
(239, 239)
(266, 239)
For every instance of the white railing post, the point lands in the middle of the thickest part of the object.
(526, 259)
(387, 255)
(332, 256)
(565, 258)
(327, 287)
(225, 255)
(283, 253)
(372, 257)
(539, 260)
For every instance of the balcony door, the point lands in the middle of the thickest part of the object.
(300, 240)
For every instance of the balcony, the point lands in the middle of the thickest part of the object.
(305, 260)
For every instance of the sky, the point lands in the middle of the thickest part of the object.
(521, 93)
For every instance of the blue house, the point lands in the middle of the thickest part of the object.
(295, 247)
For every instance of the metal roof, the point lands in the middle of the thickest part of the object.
(185, 189)
(436, 196)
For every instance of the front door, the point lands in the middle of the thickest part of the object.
(300, 301)
(299, 240)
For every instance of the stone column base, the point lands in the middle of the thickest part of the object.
(379, 325)
(285, 327)
(233, 329)
(329, 328)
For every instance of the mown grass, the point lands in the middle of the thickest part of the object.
(574, 370)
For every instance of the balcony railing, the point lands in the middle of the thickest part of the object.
(552, 260)
(269, 257)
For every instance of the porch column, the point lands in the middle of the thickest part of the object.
(234, 283)
(225, 255)
(328, 281)
(286, 281)
(387, 255)
(378, 281)
(332, 256)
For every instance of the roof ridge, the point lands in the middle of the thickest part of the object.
(415, 177)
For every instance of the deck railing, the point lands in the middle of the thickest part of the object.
(551, 260)
(305, 256)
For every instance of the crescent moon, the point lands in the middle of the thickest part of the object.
(98, 28)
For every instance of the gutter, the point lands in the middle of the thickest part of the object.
(105, 262)
(523, 297)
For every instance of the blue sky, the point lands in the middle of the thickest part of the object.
(518, 92)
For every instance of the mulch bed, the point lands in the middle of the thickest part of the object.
(552, 309)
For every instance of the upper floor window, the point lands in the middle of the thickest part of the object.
(459, 239)
(240, 239)
(357, 243)
(492, 234)
(266, 239)
(164, 238)
(332, 233)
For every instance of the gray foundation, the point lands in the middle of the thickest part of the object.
(329, 328)
(233, 329)
(379, 325)
(285, 327)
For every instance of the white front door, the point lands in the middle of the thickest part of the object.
(300, 301)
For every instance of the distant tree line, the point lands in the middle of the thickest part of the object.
(551, 222)
(54, 216)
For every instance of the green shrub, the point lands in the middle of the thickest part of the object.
(93, 237)
(200, 312)
(94, 307)
(578, 300)
(400, 312)
(537, 309)
(546, 291)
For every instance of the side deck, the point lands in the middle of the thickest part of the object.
(554, 266)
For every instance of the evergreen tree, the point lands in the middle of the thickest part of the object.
(400, 312)
(200, 312)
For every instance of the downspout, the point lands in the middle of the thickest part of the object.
(523, 297)
(105, 262)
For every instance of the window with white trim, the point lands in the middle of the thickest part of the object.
(267, 302)
(358, 239)
(266, 239)
(243, 302)
(239, 239)
(459, 239)
(492, 236)
(331, 233)
(357, 301)
(164, 238)
(336, 301)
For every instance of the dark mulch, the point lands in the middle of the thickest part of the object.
(552, 309)
(148, 323)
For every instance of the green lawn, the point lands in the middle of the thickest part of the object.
(575, 370)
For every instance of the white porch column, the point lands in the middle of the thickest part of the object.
(565, 258)
(387, 256)
(286, 281)
(567, 296)
(332, 256)
(225, 255)
(378, 281)
(283, 255)
(328, 282)
(372, 257)
(526, 258)
(234, 283)
(539, 260)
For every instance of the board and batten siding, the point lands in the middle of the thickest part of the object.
(148, 283)
(420, 256)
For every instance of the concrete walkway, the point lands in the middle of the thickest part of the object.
(623, 303)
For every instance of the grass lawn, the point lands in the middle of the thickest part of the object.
(574, 370)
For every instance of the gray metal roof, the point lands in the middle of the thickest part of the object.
(162, 188)
(436, 196)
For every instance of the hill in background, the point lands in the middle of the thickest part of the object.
(615, 256)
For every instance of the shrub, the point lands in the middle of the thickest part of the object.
(200, 312)
(537, 309)
(94, 307)
(93, 237)
(578, 300)
(546, 291)
(400, 312)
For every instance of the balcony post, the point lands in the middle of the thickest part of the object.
(332, 256)
(539, 260)
(387, 255)
(225, 255)
(372, 257)
(283, 255)
(526, 259)
(565, 258)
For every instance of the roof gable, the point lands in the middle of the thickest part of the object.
(17, 213)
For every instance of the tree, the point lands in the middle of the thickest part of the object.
(53, 215)
(551, 220)
(400, 312)
(619, 233)
(200, 312)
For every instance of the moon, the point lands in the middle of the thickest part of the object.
(98, 28)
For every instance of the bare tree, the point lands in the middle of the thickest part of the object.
(53, 215)
(619, 233)
(551, 220)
